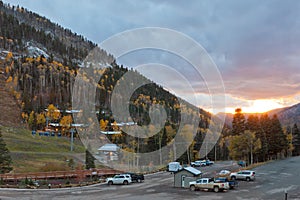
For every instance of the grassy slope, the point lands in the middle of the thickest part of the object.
(31, 153)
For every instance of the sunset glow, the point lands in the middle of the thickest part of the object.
(258, 106)
(258, 62)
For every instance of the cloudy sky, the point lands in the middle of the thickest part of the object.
(254, 44)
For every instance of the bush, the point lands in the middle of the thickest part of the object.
(30, 182)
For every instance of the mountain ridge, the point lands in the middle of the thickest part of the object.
(20, 26)
(288, 116)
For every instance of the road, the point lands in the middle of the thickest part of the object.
(272, 180)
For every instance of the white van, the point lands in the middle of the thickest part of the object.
(174, 167)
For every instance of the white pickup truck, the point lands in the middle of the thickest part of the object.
(208, 183)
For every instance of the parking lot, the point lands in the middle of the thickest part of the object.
(272, 180)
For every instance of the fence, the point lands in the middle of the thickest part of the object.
(57, 175)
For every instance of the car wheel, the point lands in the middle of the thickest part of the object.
(216, 189)
(139, 180)
(110, 183)
(125, 182)
(248, 179)
(192, 188)
(233, 178)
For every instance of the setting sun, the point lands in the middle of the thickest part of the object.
(258, 106)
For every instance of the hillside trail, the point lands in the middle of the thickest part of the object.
(10, 111)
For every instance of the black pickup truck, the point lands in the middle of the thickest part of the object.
(232, 183)
(138, 178)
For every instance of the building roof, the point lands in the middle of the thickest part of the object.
(192, 170)
(126, 123)
(109, 147)
(72, 125)
(110, 132)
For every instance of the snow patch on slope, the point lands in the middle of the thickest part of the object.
(35, 51)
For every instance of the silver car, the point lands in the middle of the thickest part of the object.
(124, 179)
(247, 175)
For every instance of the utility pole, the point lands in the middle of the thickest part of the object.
(72, 137)
(215, 152)
(47, 121)
(206, 150)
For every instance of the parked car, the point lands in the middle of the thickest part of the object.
(208, 162)
(208, 183)
(198, 163)
(224, 172)
(242, 163)
(247, 175)
(124, 179)
(174, 167)
(138, 178)
(232, 183)
(36, 184)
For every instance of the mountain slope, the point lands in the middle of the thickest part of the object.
(26, 33)
(288, 116)
(42, 68)
(42, 79)
(10, 111)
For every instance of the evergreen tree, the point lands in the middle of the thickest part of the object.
(278, 140)
(5, 159)
(253, 123)
(89, 160)
(296, 140)
(264, 135)
(32, 121)
(238, 123)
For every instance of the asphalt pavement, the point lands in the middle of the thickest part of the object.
(273, 180)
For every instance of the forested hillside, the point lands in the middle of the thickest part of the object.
(27, 34)
(288, 116)
(40, 61)
(36, 83)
